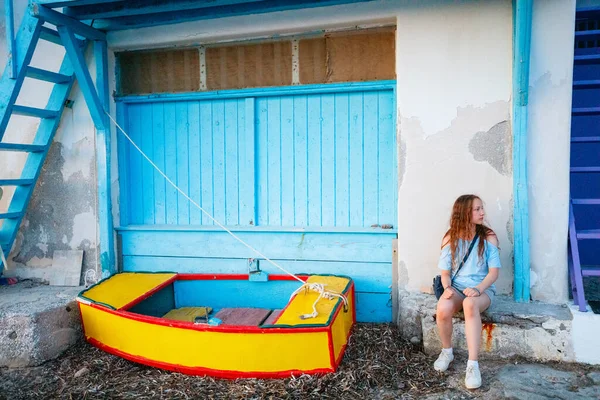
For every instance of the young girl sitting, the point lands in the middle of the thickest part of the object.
(472, 289)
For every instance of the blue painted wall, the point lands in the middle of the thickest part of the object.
(300, 174)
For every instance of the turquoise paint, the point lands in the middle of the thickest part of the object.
(374, 308)
(521, 59)
(279, 160)
(287, 138)
(235, 293)
(178, 11)
(26, 41)
(324, 246)
(61, 20)
(84, 79)
(103, 157)
(10, 38)
(368, 277)
(331, 88)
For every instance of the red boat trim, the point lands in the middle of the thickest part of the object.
(233, 277)
(205, 371)
(331, 351)
(212, 277)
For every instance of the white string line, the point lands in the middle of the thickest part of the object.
(199, 207)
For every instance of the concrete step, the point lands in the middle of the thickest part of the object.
(37, 323)
(536, 331)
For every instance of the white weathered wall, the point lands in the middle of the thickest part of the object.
(549, 130)
(454, 90)
(62, 211)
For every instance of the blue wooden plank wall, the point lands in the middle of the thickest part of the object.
(197, 144)
(363, 254)
(302, 177)
(326, 159)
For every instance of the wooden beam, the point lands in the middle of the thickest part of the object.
(83, 77)
(521, 61)
(176, 16)
(70, 3)
(137, 7)
(103, 161)
(59, 20)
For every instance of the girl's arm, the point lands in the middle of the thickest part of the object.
(447, 284)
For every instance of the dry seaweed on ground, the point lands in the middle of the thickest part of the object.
(377, 363)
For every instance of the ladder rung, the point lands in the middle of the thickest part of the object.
(586, 202)
(590, 272)
(585, 139)
(589, 234)
(16, 182)
(583, 34)
(586, 111)
(47, 76)
(50, 35)
(585, 169)
(8, 215)
(587, 59)
(34, 112)
(30, 148)
(589, 84)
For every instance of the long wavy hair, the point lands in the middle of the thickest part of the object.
(460, 227)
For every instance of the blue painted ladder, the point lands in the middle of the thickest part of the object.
(31, 30)
(584, 205)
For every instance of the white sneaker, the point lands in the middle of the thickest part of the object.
(473, 377)
(443, 361)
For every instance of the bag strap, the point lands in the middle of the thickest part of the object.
(464, 259)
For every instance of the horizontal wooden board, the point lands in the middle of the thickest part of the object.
(368, 277)
(220, 294)
(322, 246)
(373, 307)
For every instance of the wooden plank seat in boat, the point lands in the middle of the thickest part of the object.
(188, 314)
(242, 316)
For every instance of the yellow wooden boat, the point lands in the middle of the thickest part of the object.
(221, 325)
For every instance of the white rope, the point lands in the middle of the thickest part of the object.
(323, 294)
(312, 286)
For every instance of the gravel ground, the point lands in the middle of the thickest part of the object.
(377, 363)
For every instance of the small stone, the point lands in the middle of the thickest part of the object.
(595, 376)
(415, 340)
(81, 372)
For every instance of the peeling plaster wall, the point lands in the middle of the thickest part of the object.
(549, 130)
(454, 88)
(62, 212)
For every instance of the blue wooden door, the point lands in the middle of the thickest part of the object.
(305, 176)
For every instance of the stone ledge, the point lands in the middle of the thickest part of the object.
(534, 330)
(37, 323)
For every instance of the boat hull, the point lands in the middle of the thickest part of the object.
(222, 351)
